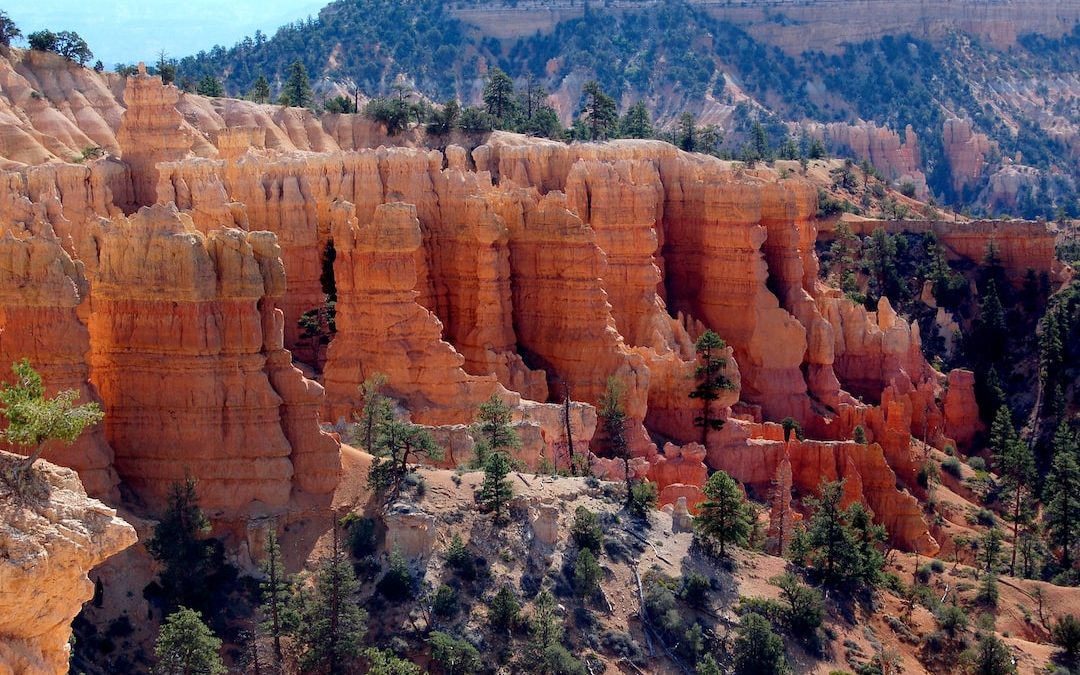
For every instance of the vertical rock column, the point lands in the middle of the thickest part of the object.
(40, 291)
(178, 356)
(151, 131)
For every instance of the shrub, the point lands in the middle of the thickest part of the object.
(643, 498)
(977, 463)
(622, 644)
(504, 610)
(806, 608)
(397, 584)
(985, 517)
(951, 466)
(937, 565)
(454, 655)
(952, 619)
(1066, 635)
(445, 602)
(587, 574)
(361, 535)
(586, 530)
(459, 559)
(695, 589)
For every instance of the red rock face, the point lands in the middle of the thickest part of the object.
(40, 291)
(186, 353)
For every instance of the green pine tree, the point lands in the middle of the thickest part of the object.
(186, 646)
(298, 87)
(1062, 513)
(260, 91)
(724, 517)
(378, 411)
(333, 625)
(711, 381)
(832, 546)
(499, 99)
(758, 650)
(613, 422)
(600, 113)
(496, 491)
(637, 123)
(277, 593)
(1016, 466)
(493, 431)
(34, 420)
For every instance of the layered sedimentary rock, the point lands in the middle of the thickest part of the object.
(899, 160)
(152, 130)
(966, 152)
(186, 352)
(50, 540)
(41, 288)
(383, 329)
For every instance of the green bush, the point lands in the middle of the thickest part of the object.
(445, 602)
(951, 466)
(977, 463)
(952, 619)
(586, 530)
(695, 589)
(459, 559)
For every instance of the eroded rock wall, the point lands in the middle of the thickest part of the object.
(51, 540)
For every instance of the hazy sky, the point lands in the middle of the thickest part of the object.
(134, 30)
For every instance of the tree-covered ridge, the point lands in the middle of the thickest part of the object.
(368, 42)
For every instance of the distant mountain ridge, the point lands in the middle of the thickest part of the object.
(965, 65)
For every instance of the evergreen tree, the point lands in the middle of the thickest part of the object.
(499, 99)
(711, 381)
(496, 492)
(454, 656)
(210, 86)
(758, 650)
(724, 517)
(859, 435)
(990, 544)
(166, 68)
(385, 662)
(446, 119)
(1066, 635)
(759, 141)
(587, 574)
(990, 656)
(637, 123)
(832, 544)
(600, 112)
(186, 646)
(42, 41)
(1016, 466)
(277, 592)
(791, 426)
(503, 611)
(397, 448)
(493, 430)
(544, 653)
(686, 135)
(34, 420)
(189, 559)
(868, 537)
(260, 91)
(9, 32)
(298, 87)
(991, 334)
(333, 626)
(1062, 513)
(613, 423)
(377, 412)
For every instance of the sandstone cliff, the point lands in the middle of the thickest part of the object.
(51, 538)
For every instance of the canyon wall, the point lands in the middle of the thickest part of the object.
(523, 268)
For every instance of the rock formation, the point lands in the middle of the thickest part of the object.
(187, 355)
(50, 539)
(41, 290)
